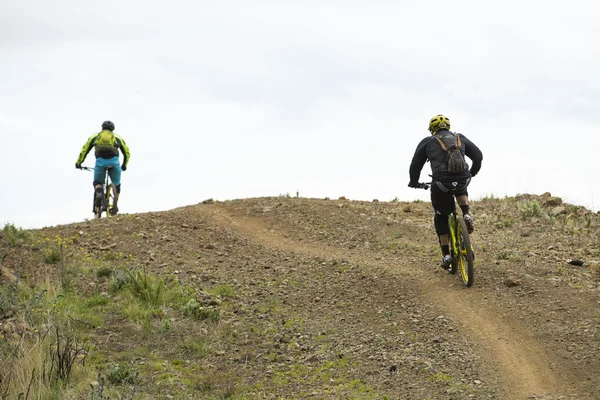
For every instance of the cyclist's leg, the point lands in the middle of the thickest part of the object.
(442, 203)
(462, 197)
(115, 177)
(99, 172)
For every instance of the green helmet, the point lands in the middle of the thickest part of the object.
(438, 122)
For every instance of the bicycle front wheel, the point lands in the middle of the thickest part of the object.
(465, 254)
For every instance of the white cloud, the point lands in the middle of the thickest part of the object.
(233, 99)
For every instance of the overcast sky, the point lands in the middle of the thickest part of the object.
(236, 99)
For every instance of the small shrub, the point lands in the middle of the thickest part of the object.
(197, 311)
(508, 255)
(505, 223)
(52, 256)
(16, 237)
(147, 289)
(104, 272)
(122, 373)
(530, 209)
(120, 279)
(8, 298)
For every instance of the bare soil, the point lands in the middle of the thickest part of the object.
(344, 299)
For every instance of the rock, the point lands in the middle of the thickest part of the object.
(553, 201)
(213, 302)
(208, 201)
(512, 282)
(578, 263)
(342, 198)
(558, 210)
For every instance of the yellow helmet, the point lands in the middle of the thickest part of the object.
(438, 122)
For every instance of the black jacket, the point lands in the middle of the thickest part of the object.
(430, 150)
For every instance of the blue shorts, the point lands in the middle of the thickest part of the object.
(100, 170)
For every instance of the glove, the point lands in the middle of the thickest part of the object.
(123, 167)
(414, 185)
(78, 166)
(473, 174)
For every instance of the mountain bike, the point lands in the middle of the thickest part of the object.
(104, 204)
(461, 248)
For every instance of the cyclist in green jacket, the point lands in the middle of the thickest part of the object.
(107, 145)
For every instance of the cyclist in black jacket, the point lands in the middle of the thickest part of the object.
(443, 180)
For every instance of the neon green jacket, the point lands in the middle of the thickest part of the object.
(119, 145)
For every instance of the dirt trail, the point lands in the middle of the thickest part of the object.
(525, 368)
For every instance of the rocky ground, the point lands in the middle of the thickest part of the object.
(331, 299)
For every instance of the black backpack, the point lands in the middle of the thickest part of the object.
(451, 144)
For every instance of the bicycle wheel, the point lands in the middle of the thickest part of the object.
(466, 256)
(110, 197)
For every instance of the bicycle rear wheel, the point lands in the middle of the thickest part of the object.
(453, 249)
(110, 198)
(465, 252)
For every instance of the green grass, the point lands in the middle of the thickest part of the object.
(97, 300)
(148, 289)
(55, 347)
(197, 347)
(223, 290)
(197, 311)
(441, 377)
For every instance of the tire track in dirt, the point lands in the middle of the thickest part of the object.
(526, 370)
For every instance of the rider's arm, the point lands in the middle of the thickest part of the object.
(124, 150)
(473, 152)
(86, 149)
(418, 161)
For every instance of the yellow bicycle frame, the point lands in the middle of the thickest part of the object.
(457, 253)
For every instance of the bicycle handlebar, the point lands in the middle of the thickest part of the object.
(86, 168)
(423, 185)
